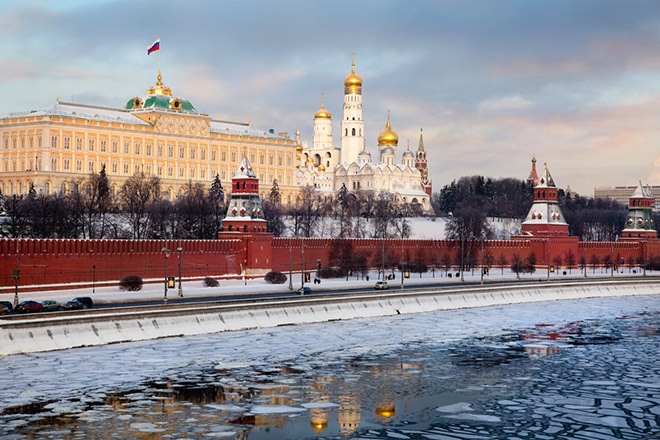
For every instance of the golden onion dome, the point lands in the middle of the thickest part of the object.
(321, 168)
(387, 136)
(353, 82)
(299, 148)
(322, 114)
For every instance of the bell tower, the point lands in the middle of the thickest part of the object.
(352, 125)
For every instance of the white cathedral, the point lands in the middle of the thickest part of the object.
(327, 167)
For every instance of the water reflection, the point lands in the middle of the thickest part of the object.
(597, 377)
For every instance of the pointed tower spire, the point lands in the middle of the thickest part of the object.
(639, 223)
(545, 217)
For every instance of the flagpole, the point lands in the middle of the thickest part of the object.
(159, 49)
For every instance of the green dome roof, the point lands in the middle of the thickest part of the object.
(160, 97)
(161, 102)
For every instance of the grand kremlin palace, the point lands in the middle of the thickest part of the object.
(158, 134)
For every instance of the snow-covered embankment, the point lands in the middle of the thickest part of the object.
(99, 327)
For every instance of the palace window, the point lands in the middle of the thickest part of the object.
(90, 167)
(136, 169)
(67, 164)
(223, 156)
(53, 164)
(170, 171)
(202, 154)
(115, 167)
(148, 149)
(79, 143)
(192, 153)
(137, 148)
(115, 146)
(125, 168)
(160, 150)
(103, 145)
(67, 143)
(170, 151)
(126, 147)
(182, 152)
(202, 173)
(79, 165)
(160, 171)
(192, 173)
(90, 145)
(233, 156)
(181, 171)
(53, 142)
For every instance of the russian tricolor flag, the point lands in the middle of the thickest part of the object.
(154, 46)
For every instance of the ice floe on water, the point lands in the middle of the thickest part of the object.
(496, 372)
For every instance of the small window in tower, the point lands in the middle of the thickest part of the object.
(353, 132)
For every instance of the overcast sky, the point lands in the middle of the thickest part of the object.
(491, 83)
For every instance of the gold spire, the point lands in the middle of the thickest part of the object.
(159, 88)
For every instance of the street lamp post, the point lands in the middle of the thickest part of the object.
(482, 261)
(16, 274)
(290, 265)
(401, 263)
(165, 251)
(548, 243)
(180, 251)
(302, 262)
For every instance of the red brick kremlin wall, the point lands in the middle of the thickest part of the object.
(52, 262)
(48, 262)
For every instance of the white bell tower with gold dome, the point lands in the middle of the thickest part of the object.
(352, 125)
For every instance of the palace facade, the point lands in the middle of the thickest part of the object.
(157, 134)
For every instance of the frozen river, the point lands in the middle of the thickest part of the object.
(587, 369)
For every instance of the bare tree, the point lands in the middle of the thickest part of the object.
(136, 197)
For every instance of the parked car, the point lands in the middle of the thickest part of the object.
(4, 310)
(29, 307)
(7, 305)
(73, 305)
(50, 305)
(304, 290)
(381, 285)
(86, 301)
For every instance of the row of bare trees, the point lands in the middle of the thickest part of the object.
(348, 214)
(138, 211)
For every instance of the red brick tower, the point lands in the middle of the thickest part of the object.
(245, 221)
(639, 224)
(545, 217)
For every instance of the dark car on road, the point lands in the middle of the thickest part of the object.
(73, 305)
(6, 306)
(86, 301)
(304, 290)
(29, 307)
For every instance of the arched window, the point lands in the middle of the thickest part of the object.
(352, 132)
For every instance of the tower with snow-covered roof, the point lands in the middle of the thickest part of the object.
(545, 217)
(244, 212)
(639, 224)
